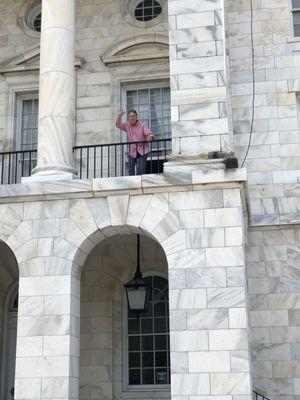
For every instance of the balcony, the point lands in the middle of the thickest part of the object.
(93, 161)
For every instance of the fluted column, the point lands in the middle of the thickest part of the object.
(57, 91)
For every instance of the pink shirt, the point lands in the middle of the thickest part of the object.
(136, 133)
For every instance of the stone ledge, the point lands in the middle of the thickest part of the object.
(173, 180)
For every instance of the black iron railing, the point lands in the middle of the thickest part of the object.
(93, 161)
(16, 164)
(111, 160)
(258, 396)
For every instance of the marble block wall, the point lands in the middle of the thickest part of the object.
(201, 232)
(273, 160)
(100, 25)
(273, 265)
(198, 77)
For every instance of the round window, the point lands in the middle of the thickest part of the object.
(34, 18)
(147, 10)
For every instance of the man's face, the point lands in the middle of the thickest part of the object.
(132, 118)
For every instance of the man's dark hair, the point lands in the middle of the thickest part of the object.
(132, 111)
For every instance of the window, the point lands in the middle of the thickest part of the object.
(148, 338)
(147, 10)
(9, 345)
(296, 16)
(153, 106)
(26, 137)
(34, 18)
(144, 13)
(27, 122)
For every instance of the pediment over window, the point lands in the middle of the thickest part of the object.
(29, 61)
(140, 49)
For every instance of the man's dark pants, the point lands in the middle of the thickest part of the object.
(139, 162)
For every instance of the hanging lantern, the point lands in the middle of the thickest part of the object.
(137, 291)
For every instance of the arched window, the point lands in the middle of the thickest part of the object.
(9, 344)
(148, 343)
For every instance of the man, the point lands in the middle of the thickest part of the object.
(136, 132)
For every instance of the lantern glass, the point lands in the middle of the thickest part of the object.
(136, 297)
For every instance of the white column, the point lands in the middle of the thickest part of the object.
(57, 92)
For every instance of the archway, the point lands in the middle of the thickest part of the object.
(115, 360)
(9, 275)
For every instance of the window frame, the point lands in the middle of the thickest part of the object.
(154, 6)
(294, 10)
(21, 96)
(140, 85)
(127, 10)
(126, 386)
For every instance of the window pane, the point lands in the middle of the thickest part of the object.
(134, 377)
(296, 3)
(161, 376)
(160, 325)
(134, 343)
(147, 342)
(133, 326)
(134, 360)
(147, 325)
(148, 376)
(161, 359)
(147, 359)
(160, 342)
(160, 309)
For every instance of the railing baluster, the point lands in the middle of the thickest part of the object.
(94, 162)
(116, 172)
(16, 168)
(108, 159)
(30, 162)
(80, 163)
(122, 159)
(101, 161)
(151, 161)
(87, 162)
(22, 165)
(9, 161)
(258, 396)
(158, 163)
(2, 169)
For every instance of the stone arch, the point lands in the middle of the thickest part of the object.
(108, 267)
(93, 220)
(141, 47)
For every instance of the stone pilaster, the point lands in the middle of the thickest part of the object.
(47, 359)
(57, 91)
(198, 77)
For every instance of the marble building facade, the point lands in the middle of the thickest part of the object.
(226, 239)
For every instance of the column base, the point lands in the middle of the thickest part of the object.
(50, 175)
